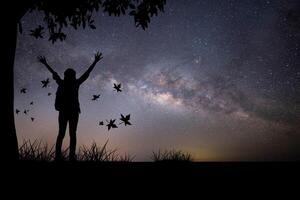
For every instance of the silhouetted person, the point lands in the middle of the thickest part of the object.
(67, 103)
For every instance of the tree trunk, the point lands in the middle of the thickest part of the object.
(8, 137)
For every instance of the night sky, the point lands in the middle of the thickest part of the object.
(219, 79)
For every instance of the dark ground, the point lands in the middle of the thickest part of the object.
(137, 174)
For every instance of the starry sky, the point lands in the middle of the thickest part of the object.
(219, 79)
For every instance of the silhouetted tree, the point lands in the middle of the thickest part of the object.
(58, 14)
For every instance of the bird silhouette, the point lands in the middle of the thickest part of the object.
(101, 123)
(26, 112)
(125, 120)
(23, 90)
(32, 119)
(17, 111)
(117, 87)
(111, 124)
(38, 32)
(45, 83)
(31, 103)
(95, 97)
(49, 94)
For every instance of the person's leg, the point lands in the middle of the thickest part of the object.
(72, 131)
(62, 122)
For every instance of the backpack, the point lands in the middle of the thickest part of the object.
(58, 98)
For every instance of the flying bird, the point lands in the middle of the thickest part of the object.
(23, 90)
(117, 87)
(125, 120)
(31, 103)
(38, 32)
(111, 124)
(26, 112)
(17, 111)
(95, 97)
(45, 83)
(32, 119)
(101, 123)
(49, 94)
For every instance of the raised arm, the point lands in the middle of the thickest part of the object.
(43, 60)
(98, 57)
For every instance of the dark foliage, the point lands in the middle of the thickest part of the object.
(79, 13)
(171, 156)
(39, 151)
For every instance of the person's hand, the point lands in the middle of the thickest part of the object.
(42, 59)
(98, 56)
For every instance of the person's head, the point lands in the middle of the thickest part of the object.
(70, 74)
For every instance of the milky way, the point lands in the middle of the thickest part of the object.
(218, 79)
